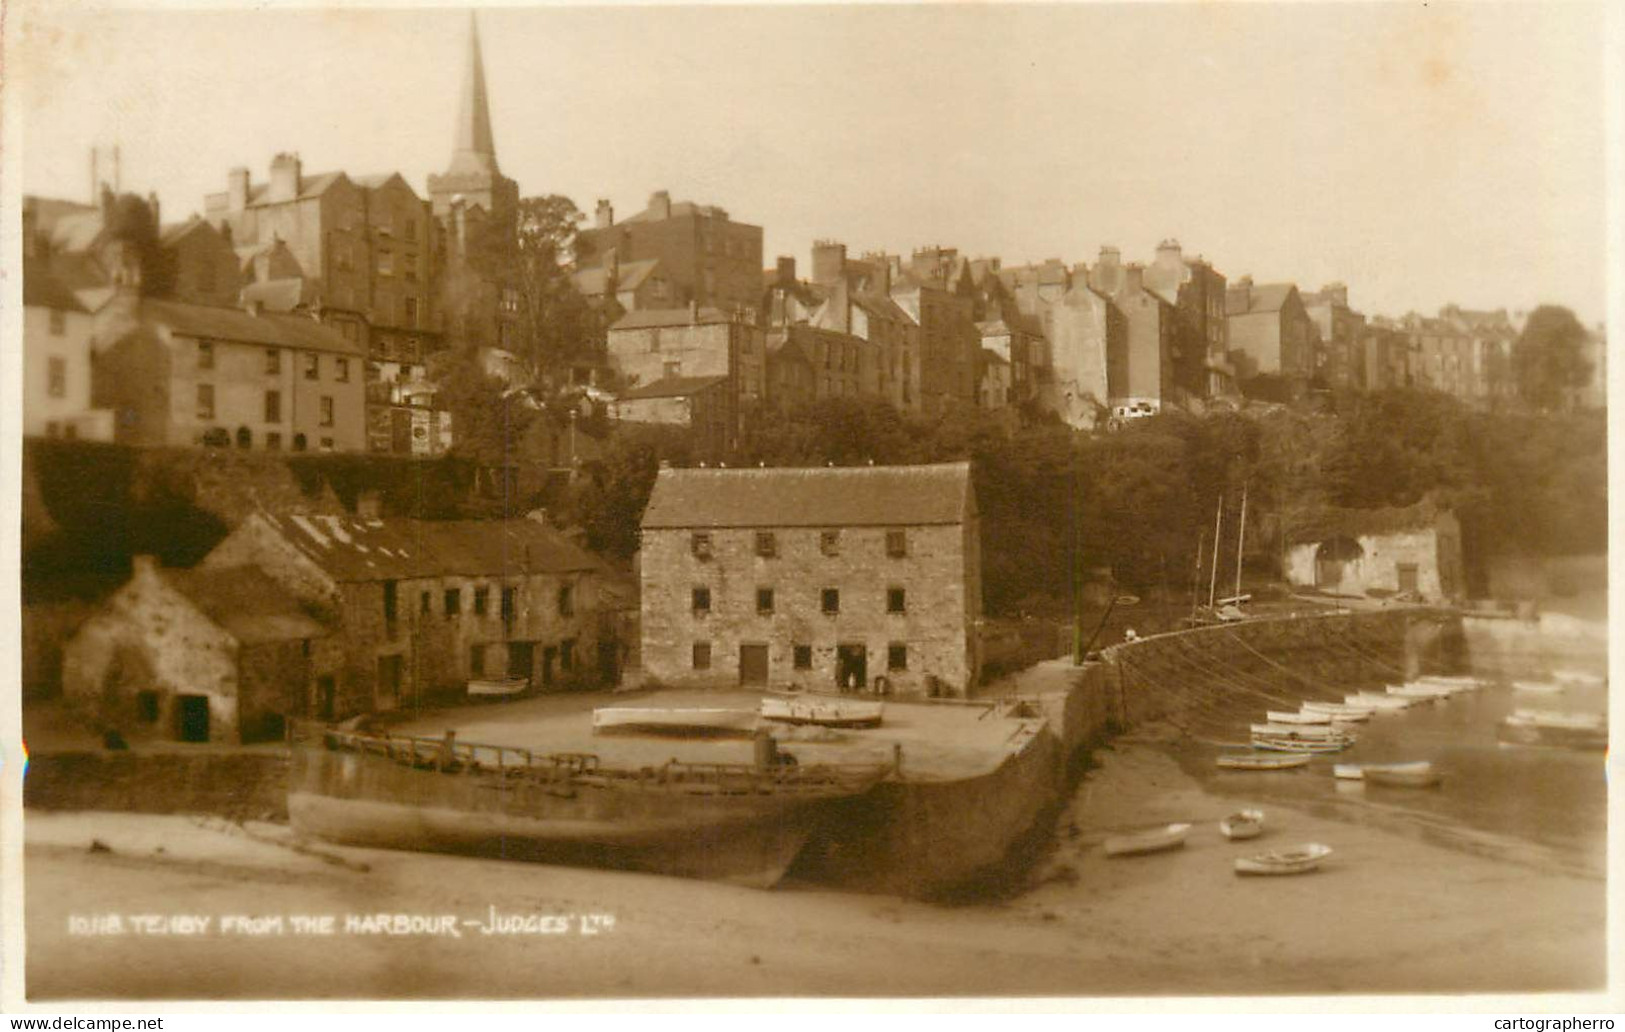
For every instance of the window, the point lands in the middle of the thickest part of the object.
(764, 600)
(482, 599)
(567, 654)
(273, 361)
(425, 603)
(205, 355)
(454, 601)
(896, 656)
(341, 370)
(896, 600)
(832, 600)
(245, 437)
(409, 313)
(829, 542)
(273, 406)
(672, 368)
(767, 544)
(476, 660)
(298, 442)
(59, 322)
(313, 367)
(896, 544)
(327, 410)
(205, 401)
(273, 441)
(700, 545)
(567, 601)
(702, 655)
(701, 598)
(58, 377)
(803, 657)
(389, 602)
(508, 607)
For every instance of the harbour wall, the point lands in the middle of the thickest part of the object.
(238, 784)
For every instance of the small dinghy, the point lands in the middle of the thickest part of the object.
(497, 688)
(1358, 771)
(1296, 745)
(1559, 720)
(1380, 701)
(1243, 824)
(675, 721)
(1461, 682)
(823, 712)
(1155, 841)
(1307, 717)
(1396, 776)
(1341, 712)
(1539, 687)
(1309, 732)
(1419, 692)
(1261, 761)
(1579, 678)
(1286, 861)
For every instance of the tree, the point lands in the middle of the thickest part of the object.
(1548, 358)
(556, 325)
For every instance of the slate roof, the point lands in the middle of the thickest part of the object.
(629, 276)
(1267, 297)
(42, 289)
(247, 603)
(351, 549)
(77, 231)
(309, 186)
(281, 295)
(849, 496)
(233, 324)
(169, 235)
(672, 387)
(647, 318)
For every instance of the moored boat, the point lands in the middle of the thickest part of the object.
(1310, 732)
(1341, 711)
(1399, 777)
(1257, 761)
(1154, 841)
(1305, 717)
(823, 712)
(1243, 824)
(1381, 702)
(1358, 771)
(741, 823)
(1297, 745)
(674, 721)
(1419, 692)
(1526, 732)
(1539, 687)
(1579, 678)
(1557, 719)
(1303, 859)
(497, 688)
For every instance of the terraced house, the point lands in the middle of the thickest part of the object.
(816, 578)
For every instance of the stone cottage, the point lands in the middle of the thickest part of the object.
(222, 654)
(424, 606)
(814, 578)
(1413, 551)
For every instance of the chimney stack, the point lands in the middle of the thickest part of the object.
(828, 261)
(660, 205)
(605, 217)
(787, 270)
(237, 189)
(285, 177)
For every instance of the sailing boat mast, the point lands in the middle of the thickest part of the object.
(1218, 525)
(1241, 537)
(1196, 574)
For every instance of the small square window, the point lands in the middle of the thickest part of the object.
(482, 600)
(831, 600)
(273, 361)
(767, 544)
(700, 545)
(326, 444)
(829, 542)
(803, 657)
(896, 656)
(896, 600)
(764, 600)
(701, 598)
(702, 655)
(454, 601)
(896, 544)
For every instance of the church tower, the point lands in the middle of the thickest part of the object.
(473, 175)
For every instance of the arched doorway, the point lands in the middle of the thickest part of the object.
(1332, 559)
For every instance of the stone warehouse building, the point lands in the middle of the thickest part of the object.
(423, 606)
(816, 578)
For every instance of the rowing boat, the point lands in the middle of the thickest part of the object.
(1243, 824)
(1419, 692)
(497, 688)
(823, 712)
(1381, 702)
(1392, 778)
(1282, 717)
(1358, 771)
(1297, 745)
(1312, 732)
(1539, 687)
(1254, 761)
(1579, 678)
(1340, 711)
(1286, 861)
(1555, 719)
(1155, 841)
(674, 721)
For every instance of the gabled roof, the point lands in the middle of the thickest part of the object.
(852, 496)
(646, 318)
(232, 324)
(628, 276)
(672, 387)
(76, 231)
(246, 602)
(1266, 297)
(881, 306)
(42, 289)
(259, 193)
(351, 550)
(171, 234)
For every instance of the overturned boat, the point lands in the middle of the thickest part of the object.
(674, 721)
(741, 823)
(823, 712)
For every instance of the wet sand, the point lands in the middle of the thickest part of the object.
(1388, 914)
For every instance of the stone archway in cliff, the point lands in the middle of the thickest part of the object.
(1332, 559)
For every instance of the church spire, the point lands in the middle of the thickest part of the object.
(476, 149)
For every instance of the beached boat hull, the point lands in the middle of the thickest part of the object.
(499, 688)
(1515, 732)
(1306, 717)
(1245, 761)
(1170, 837)
(1401, 778)
(1296, 861)
(1539, 687)
(1382, 703)
(713, 723)
(741, 828)
(1307, 732)
(823, 713)
(1359, 771)
(1246, 824)
(1297, 745)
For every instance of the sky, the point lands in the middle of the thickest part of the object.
(1421, 154)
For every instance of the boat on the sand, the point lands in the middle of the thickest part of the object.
(1514, 731)
(1381, 702)
(1460, 682)
(1311, 732)
(1539, 687)
(1557, 719)
(497, 687)
(1419, 692)
(1154, 841)
(1358, 771)
(1301, 860)
(1579, 678)
(1261, 761)
(1390, 777)
(1305, 717)
(823, 712)
(1243, 824)
(1341, 711)
(673, 720)
(1297, 745)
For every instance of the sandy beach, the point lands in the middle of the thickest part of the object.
(1390, 913)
